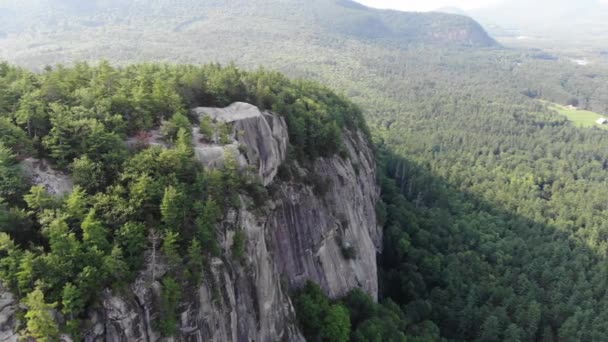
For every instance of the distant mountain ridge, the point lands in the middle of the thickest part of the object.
(452, 10)
(336, 16)
(561, 19)
(405, 27)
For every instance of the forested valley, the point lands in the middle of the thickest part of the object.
(493, 205)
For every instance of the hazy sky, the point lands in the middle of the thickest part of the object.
(429, 5)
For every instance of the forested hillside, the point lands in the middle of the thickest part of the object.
(494, 204)
(44, 32)
(60, 250)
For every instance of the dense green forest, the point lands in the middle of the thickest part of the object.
(496, 215)
(60, 252)
(493, 204)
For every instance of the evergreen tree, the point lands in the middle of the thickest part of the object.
(170, 247)
(94, 234)
(40, 323)
(170, 297)
(195, 261)
(173, 208)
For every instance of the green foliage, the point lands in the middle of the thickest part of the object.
(195, 261)
(336, 325)
(73, 300)
(224, 133)
(40, 323)
(131, 237)
(88, 174)
(348, 252)
(207, 128)
(76, 204)
(355, 317)
(115, 267)
(311, 308)
(170, 297)
(206, 223)
(374, 322)
(319, 318)
(173, 209)
(177, 122)
(170, 247)
(75, 133)
(38, 199)
(238, 244)
(94, 234)
(10, 261)
(579, 117)
(26, 272)
(14, 138)
(12, 182)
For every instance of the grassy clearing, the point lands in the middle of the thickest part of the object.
(581, 118)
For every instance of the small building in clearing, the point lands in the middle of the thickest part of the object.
(602, 121)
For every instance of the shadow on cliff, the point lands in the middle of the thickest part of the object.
(469, 265)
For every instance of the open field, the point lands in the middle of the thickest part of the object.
(581, 118)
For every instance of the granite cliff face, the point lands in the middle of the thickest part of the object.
(324, 231)
(328, 234)
(263, 136)
(8, 310)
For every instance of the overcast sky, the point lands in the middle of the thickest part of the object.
(429, 5)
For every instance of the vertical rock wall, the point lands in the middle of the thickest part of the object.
(325, 233)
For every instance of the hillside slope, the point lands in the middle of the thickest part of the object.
(133, 217)
(43, 32)
(495, 204)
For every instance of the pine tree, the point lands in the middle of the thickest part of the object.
(170, 297)
(72, 300)
(40, 323)
(207, 127)
(94, 234)
(172, 208)
(76, 204)
(195, 261)
(170, 247)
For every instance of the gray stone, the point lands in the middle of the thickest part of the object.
(8, 308)
(298, 235)
(263, 135)
(40, 172)
(310, 231)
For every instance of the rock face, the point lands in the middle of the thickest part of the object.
(319, 225)
(41, 173)
(262, 134)
(8, 308)
(313, 233)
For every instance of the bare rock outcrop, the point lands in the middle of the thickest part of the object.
(8, 309)
(331, 238)
(40, 172)
(322, 230)
(263, 135)
(238, 300)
